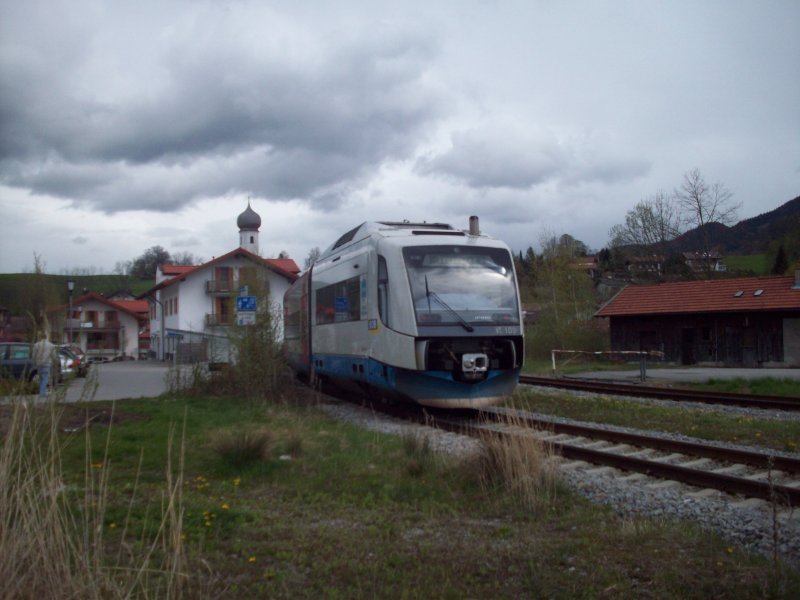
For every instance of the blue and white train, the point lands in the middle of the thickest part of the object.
(418, 312)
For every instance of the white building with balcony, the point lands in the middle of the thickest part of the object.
(192, 308)
(103, 328)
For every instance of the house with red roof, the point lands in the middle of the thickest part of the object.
(745, 322)
(192, 307)
(102, 327)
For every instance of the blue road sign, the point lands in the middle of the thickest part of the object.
(246, 303)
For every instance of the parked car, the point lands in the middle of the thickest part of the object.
(81, 364)
(67, 363)
(16, 360)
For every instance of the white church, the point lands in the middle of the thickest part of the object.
(193, 307)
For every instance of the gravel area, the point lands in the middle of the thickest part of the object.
(748, 523)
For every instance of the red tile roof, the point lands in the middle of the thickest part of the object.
(282, 266)
(136, 308)
(173, 270)
(710, 296)
(285, 264)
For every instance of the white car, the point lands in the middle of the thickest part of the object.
(67, 364)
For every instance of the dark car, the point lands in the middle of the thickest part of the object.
(16, 360)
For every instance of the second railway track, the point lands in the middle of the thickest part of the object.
(663, 393)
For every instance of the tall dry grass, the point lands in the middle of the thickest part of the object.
(518, 462)
(53, 537)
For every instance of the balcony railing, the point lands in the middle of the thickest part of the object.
(95, 325)
(222, 286)
(215, 320)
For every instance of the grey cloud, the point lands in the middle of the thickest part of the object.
(216, 116)
(80, 240)
(504, 156)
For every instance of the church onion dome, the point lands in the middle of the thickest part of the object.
(249, 219)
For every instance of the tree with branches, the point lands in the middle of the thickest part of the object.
(653, 223)
(701, 205)
(145, 266)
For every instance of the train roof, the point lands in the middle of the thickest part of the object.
(396, 229)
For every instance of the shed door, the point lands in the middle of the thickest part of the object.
(687, 346)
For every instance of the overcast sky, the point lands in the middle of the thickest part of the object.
(125, 125)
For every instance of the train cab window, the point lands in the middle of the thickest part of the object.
(383, 291)
(462, 284)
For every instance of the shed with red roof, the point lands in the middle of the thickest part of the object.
(744, 322)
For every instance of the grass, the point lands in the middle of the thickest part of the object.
(765, 386)
(574, 365)
(348, 513)
(704, 424)
(755, 263)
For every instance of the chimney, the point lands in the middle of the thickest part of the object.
(474, 226)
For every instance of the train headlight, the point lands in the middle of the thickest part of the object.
(474, 365)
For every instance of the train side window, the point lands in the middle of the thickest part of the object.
(339, 302)
(383, 291)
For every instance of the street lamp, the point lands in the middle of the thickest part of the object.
(70, 287)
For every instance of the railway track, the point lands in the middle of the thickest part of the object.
(750, 473)
(676, 394)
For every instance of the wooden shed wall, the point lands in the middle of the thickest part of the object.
(736, 339)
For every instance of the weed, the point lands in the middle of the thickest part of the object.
(418, 452)
(520, 463)
(241, 446)
(54, 536)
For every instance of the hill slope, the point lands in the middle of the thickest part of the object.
(751, 236)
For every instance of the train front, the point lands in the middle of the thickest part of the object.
(466, 318)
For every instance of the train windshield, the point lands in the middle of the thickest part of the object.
(462, 285)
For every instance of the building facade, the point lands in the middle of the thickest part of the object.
(192, 308)
(103, 328)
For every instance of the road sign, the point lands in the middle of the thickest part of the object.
(246, 303)
(246, 318)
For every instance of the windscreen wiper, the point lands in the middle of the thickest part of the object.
(461, 321)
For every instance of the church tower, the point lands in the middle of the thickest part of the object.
(249, 223)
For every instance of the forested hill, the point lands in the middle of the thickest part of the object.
(750, 236)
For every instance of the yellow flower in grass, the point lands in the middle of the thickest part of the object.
(237, 481)
(112, 525)
(252, 559)
(97, 465)
(225, 506)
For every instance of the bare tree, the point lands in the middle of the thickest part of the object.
(313, 256)
(186, 258)
(701, 205)
(123, 267)
(652, 223)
